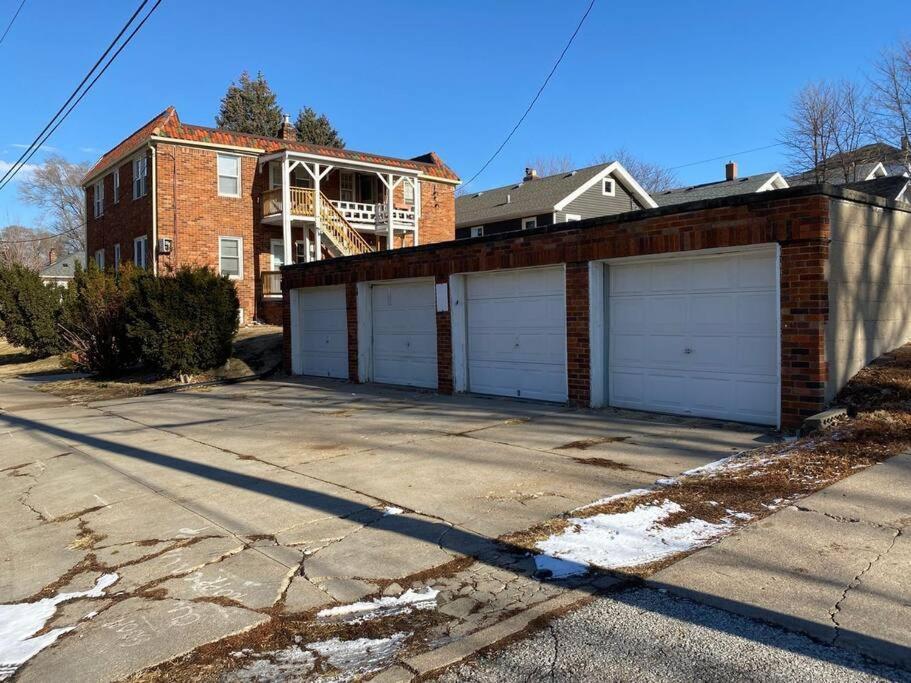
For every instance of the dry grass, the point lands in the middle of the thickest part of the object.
(257, 349)
(16, 361)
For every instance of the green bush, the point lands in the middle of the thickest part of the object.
(94, 320)
(30, 310)
(185, 323)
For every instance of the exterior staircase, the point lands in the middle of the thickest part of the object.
(343, 239)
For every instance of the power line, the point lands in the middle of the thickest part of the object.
(46, 237)
(12, 21)
(725, 156)
(535, 99)
(41, 137)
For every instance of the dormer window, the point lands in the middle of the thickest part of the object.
(608, 187)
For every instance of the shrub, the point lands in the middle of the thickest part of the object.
(94, 320)
(30, 311)
(185, 323)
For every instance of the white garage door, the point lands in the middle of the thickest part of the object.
(696, 336)
(320, 332)
(405, 334)
(516, 333)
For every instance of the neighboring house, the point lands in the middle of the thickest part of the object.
(877, 160)
(895, 188)
(534, 202)
(172, 194)
(731, 185)
(60, 271)
(755, 307)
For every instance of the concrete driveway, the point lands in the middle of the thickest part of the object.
(213, 511)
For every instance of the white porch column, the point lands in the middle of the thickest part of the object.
(287, 246)
(417, 207)
(318, 211)
(390, 208)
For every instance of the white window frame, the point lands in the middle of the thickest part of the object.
(477, 231)
(99, 259)
(530, 223)
(98, 198)
(140, 176)
(300, 255)
(219, 175)
(343, 176)
(570, 217)
(141, 251)
(116, 175)
(240, 256)
(608, 183)
(117, 256)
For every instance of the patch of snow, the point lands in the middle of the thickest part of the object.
(392, 510)
(610, 499)
(20, 622)
(666, 481)
(630, 539)
(378, 608)
(557, 568)
(292, 663)
(743, 516)
(362, 655)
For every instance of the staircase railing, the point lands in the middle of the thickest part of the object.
(339, 231)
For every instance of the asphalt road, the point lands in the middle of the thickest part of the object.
(644, 634)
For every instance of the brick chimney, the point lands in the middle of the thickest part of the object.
(530, 174)
(51, 256)
(730, 170)
(288, 131)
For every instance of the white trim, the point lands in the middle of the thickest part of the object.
(776, 182)
(613, 187)
(620, 174)
(116, 176)
(597, 334)
(219, 175)
(144, 241)
(98, 198)
(458, 322)
(99, 258)
(240, 256)
(117, 257)
(140, 161)
(877, 171)
(364, 332)
(570, 217)
(297, 356)
(533, 220)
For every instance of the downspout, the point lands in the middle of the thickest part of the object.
(154, 248)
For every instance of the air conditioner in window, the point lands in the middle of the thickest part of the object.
(165, 245)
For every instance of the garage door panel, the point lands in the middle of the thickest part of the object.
(404, 334)
(322, 332)
(723, 309)
(516, 333)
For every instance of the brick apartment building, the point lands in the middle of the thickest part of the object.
(172, 194)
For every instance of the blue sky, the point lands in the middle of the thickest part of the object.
(672, 82)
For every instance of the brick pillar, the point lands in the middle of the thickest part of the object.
(351, 310)
(286, 330)
(804, 314)
(444, 345)
(578, 351)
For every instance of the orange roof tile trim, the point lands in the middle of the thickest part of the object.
(168, 125)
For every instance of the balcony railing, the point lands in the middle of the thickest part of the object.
(356, 212)
(302, 203)
(272, 282)
(399, 216)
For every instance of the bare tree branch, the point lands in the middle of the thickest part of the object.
(891, 83)
(551, 165)
(55, 187)
(18, 244)
(652, 177)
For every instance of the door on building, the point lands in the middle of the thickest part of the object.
(319, 332)
(404, 329)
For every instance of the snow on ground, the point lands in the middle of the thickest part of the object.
(383, 607)
(21, 621)
(629, 539)
(392, 510)
(362, 655)
(279, 665)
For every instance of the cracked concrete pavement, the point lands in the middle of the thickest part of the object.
(218, 508)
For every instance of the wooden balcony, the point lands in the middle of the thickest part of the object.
(302, 203)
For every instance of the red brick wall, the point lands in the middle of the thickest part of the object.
(799, 223)
(437, 221)
(122, 222)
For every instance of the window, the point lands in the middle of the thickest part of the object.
(299, 176)
(99, 259)
(140, 248)
(300, 251)
(229, 175)
(366, 189)
(98, 198)
(140, 172)
(117, 257)
(346, 186)
(230, 257)
(607, 187)
(529, 223)
(572, 217)
(116, 185)
(408, 191)
(477, 231)
(277, 248)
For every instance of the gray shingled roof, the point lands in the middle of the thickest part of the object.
(722, 188)
(526, 198)
(64, 267)
(887, 187)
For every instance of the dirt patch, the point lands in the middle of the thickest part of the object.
(257, 349)
(585, 444)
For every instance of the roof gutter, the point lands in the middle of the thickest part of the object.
(154, 246)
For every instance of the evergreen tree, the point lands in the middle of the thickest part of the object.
(316, 130)
(249, 106)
